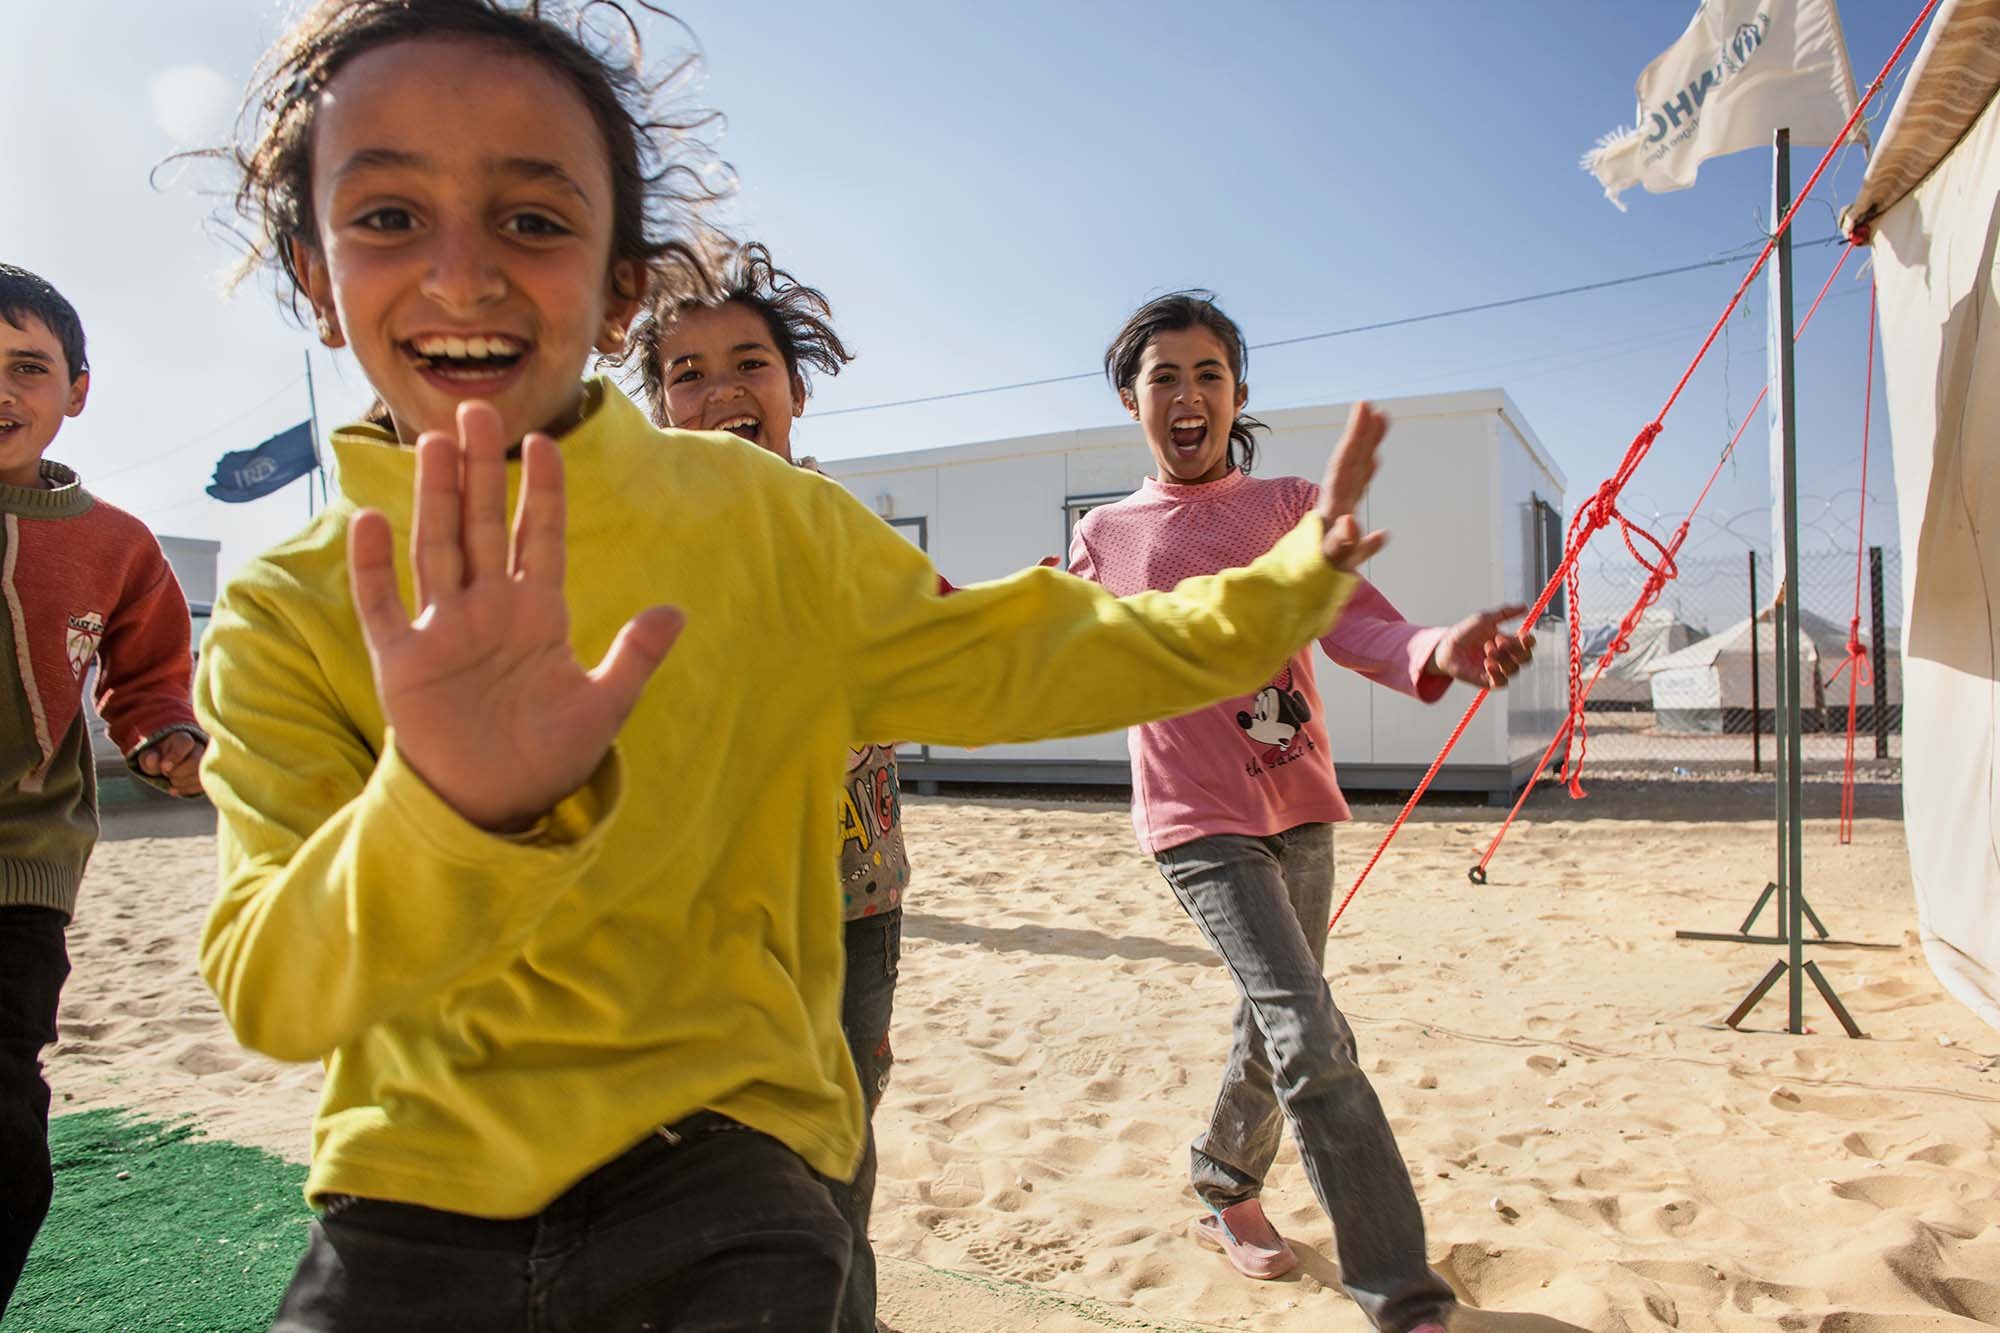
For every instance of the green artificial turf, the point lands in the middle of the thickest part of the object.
(155, 1227)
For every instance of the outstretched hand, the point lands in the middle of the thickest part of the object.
(1348, 473)
(1478, 652)
(489, 704)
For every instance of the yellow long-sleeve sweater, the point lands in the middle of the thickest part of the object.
(499, 1017)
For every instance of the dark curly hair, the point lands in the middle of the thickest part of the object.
(663, 174)
(25, 295)
(1169, 314)
(798, 316)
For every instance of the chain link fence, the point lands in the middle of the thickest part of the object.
(1694, 694)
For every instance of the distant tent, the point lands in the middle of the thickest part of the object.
(1625, 684)
(1931, 199)
(1705, 687)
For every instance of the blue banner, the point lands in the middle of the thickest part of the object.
(252, 474)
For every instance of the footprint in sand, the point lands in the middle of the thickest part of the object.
(1676, 1215)
(1023, 1258)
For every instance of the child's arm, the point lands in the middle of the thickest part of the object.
(1372, 639)
(1044, 654)
(356, 886)
(143, 686)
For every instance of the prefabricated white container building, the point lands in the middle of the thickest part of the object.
(1470, 497)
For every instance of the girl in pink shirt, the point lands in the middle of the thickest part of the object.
(1237, 805)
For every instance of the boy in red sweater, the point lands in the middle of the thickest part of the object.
(81, 581)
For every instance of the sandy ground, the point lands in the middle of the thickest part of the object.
(1591, 1149)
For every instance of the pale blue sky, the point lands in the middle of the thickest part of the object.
(985, 191)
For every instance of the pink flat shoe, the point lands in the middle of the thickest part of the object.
(1247, 1239)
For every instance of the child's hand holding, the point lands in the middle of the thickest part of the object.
(489, 704)
(1478, 652)
(1348, 473)
(175, 758)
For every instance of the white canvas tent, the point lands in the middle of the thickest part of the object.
(1706, 686)
(1626, 683)
(1931, 201)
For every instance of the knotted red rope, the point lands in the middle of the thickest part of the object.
(1658, 573)
(1602, 508)
(1856, 663)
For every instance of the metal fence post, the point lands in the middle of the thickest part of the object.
(1878, 653)
(1756, 686)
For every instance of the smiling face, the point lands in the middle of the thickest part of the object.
(36, 393)
(722, 371)
(463, 209)
(1185, 397)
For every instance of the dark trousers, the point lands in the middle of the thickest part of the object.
(34, 963)
(874, 951)
(705, 1227)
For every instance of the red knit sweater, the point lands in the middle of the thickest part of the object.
(80, 581)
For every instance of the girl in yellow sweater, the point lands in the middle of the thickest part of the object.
(583, 1052)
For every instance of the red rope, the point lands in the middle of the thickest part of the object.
(1856, 663)
(1601, 509)
(1656, 581)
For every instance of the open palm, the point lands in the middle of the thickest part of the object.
(1348, 473)
(488, 702)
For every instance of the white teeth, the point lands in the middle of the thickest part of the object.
(478, 347)
(734, 422)
(1189, 423)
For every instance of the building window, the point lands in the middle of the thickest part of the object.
(917, 531)
(1545, 552)
(1075, 507)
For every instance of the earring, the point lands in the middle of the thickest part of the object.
(329, 335)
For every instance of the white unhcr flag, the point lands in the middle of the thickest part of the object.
(1743, 69)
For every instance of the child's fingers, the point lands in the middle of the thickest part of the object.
(437, 556)
(1353, 464)
(539, 518)
(1345, 548)
(484, 499)
(371, 569)
(170, 751)
(184, 778)
(636, 654)
(1505, 656)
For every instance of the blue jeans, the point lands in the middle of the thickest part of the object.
(1262, 903)
(704, 1227)
(34, 962)
(874, 954)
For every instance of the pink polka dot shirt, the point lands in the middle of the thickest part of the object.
(1260, 764)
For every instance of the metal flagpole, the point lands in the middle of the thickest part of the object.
(1793, 911)
(1786, 889)
(1791, 877)
(312, 412)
